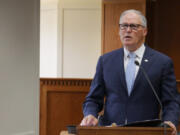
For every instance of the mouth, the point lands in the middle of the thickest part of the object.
(127, 37)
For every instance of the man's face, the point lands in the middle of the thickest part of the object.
(132, 36)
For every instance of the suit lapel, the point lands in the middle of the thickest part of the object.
(146, 64)
(122, 72)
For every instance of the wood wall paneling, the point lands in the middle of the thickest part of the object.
(164, 29)
(169, 31)
(110, 21)
(61, 103)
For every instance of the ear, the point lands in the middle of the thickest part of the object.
(145, 31)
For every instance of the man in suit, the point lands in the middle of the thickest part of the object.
(128, 95)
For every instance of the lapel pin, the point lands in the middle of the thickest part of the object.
(146, 60)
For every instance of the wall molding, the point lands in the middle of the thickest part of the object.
(65, 82)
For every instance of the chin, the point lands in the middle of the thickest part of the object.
(130, 47)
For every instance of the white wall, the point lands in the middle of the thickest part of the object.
(19, 67)
(48, 38)
(71, 51)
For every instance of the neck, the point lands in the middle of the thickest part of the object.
(133, 47)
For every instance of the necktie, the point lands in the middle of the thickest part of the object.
(130, 72)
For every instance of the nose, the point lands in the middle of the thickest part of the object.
(128, 29)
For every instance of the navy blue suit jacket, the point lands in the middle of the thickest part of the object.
(109, 81)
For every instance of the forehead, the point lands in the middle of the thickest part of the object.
(131, 18)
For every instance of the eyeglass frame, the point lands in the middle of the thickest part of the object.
(135, 28)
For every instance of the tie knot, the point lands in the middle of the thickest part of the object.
(132, 55)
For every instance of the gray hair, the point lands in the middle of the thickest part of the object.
(143, 18)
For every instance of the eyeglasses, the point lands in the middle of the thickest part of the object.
(132, 26)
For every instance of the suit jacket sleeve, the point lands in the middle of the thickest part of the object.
(170, 96)
(95, 99)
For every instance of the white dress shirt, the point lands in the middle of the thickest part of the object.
(139, 55)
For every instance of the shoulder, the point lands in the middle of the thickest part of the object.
(161, 57)
(113, 54)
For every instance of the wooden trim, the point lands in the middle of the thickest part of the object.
(83, 130)
(43, 109)
(65, 82)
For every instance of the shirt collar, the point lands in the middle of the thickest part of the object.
(139, 52)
